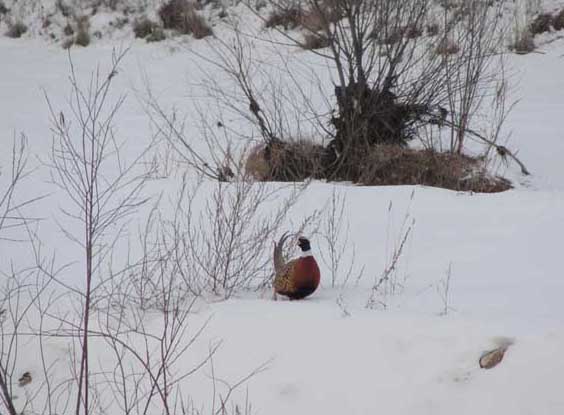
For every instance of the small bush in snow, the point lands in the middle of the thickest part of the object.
(285, 161)
(433, 29)
(541, 24)
(180, 15)
(16, 30)
(82, 37)
(3, 8)
(315, 41)
(157, 35)
(68, 30)
(447, 47)
(64, 8)
(288, 18)
(524, 43)
(394, 165)
(412, 31)
(558, 21)
(144, 27)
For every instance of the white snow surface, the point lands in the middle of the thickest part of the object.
(504, 252)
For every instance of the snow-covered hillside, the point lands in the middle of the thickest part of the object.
(416, 350)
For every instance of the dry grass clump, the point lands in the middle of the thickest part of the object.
(385, 165)
(144, 27)
(558, 20)
(16, 30)
(313, 19)
(412, 32)
(432, 29)
(541, 24)
(181, 15)
(82, 37)
(447, 47)
(314, 41)
(287, 17)
(285, 161)
(524, 43)
(394, 165)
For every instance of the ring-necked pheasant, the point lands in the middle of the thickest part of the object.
(299, 277)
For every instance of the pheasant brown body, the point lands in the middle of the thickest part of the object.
(297, 278)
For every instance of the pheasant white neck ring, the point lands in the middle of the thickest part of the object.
(306, 253)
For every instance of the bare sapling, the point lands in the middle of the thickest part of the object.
(102, 190)
(388, 282)
(443, 290)
(340, 252)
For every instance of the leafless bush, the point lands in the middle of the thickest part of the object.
(388, 88)
(15, 298)
(558, 20)
(340, 253)
(224, 245)
(11, 179)
(432, 29)
(82, 37)
(541, 24)
(144, 27)
(289, 17)
(287, 161)
(389, 282)
(3, 8)
(443, 290)
(181, 15)
(391, 165)
(447, 47)
(523, 43)
(103, 191)
(16, 30)
(315, 41)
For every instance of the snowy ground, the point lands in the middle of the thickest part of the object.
(504, 251)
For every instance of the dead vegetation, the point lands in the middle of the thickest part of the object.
(16, 30)
(386, 164)
(545, 22)
(541, 24)
(315, 41)
(285, 161)
(313, 19)
(524, 43)
(181, 16)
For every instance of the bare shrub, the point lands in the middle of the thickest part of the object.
(447, 47)
(157, 35)
(315, 41)
(412, 31)
(432, 29)
(144, 27)
(68, 30)
(82, 37)
(65, 9)
(285, 161)
(390, 282)
(523, 43)
(541, 24)
(16, 30)
(3, 8)
(102, 192)
(340, 253)
(289, 17)
(307, 16)
(558, 20)
(392, 165)
(180, 15)
(443, 290)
